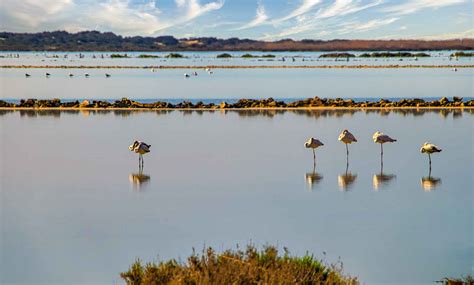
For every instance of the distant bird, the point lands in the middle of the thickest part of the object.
(347, 138)
(186, 75)
(141, 148)
(195, 73)
(27, 75)
(86, 74)
(208, 69)
(381, 138)
(107, 75)
(455, 69)
(429, 148)
(313, 144)
(71, 75)
(47, 74)
(152, 70)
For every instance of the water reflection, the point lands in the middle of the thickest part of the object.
(313, 178)
(429, 182)
(443, 113)
(382, 180)
(346, 180)
(139, 181)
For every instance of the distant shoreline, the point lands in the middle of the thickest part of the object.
(234, 109)
(388, 66)
(315, 103)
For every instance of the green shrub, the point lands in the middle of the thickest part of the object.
(116, 55)
(224, 55)
(463, 54)
(174, 55)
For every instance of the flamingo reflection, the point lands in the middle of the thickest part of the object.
(429, 182)
(346, 180)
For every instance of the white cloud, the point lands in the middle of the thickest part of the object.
(312, 23)
(344, 7)
(413, 6)
(31, 13)
(304, 8)
(259, 19)
(118, 15)
(121, 16)
(195, 9)
(363, 27)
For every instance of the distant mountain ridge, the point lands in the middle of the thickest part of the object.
(108, 41)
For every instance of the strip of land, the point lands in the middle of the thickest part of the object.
(232, 66)
(242, 104)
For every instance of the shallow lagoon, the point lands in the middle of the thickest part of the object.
(72, 211)
(237, 83)
(210, 58)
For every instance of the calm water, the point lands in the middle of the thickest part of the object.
(74, 210)
(236, 84)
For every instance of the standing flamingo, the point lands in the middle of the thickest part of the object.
(141, 148)
(313, 144)
(429, 148)
(381, 138)
(347, 138)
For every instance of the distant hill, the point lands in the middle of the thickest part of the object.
(98, 41)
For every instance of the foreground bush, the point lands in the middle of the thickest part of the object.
(468, 280)
(238, 267)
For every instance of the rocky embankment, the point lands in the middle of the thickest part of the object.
(269, 103)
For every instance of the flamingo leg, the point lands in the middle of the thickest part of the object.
(347, 155)
(314, 159)
(381, 158)
(429, 157)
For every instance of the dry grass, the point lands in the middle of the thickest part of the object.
(249, 266)
(468, 280)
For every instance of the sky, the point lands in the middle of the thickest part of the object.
(254, 19)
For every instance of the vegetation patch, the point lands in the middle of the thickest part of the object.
(116, 55)
(468, 280)
(394, 54)
(462, 54)
(224, 55)
(148, 56)
(174, 55)
(337, 55)
(248, 55)
(249, 266)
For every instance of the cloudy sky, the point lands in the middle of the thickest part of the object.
(256, 19)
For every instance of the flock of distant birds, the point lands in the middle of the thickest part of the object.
(47, 75)
(346, 137)
(107, 75)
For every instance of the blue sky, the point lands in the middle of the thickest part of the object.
(256, 19)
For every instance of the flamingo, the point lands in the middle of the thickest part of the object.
(313, 144)
(186, 75)
(347, 138)
(27, 75)
(429, 148)
(381, 138)
(141, 148)
(195, 73)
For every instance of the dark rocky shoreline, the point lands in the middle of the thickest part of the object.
(269, 103)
